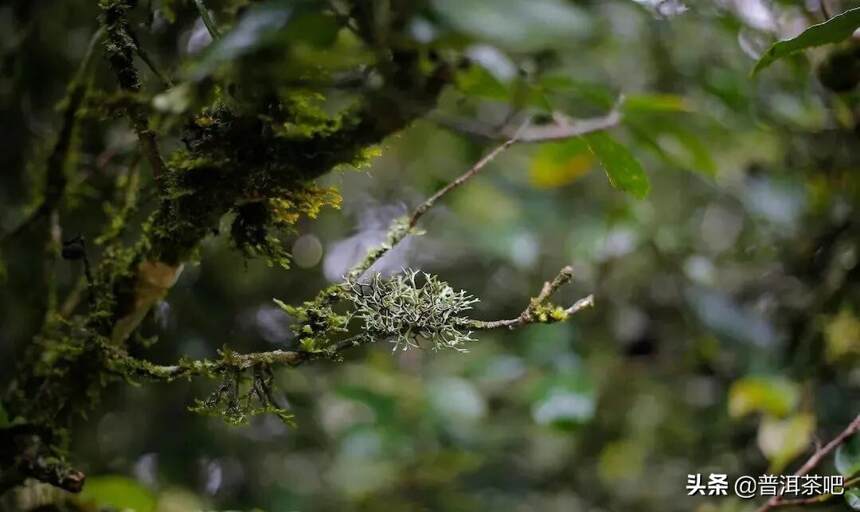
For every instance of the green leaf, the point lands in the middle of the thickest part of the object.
(847, 458)
(770, 395)
(624, 171)
(117, 492)
(593, 93)
(4, 417)
(834, 30)
(655, 103)
(314, 28)
(477, 81)
(852, 498)
(842, 335)
(514, 24)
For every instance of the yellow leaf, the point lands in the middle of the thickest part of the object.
(560, 163)
(621, 460)
(842, 335)
(783, 440)
(770, 395)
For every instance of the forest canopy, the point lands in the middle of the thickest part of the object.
(397, 255)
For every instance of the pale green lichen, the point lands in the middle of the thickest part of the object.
(412, 308)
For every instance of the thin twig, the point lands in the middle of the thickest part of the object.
(812, 462)
(118, 34)
(532, 313)
(457, 183)
(563, 128)
(816, 457)
(401, 228)
(211, 26)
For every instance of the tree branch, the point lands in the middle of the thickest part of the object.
(457, 183)
(120, 50)
(811, 463)
(540, 310)
(208, 367)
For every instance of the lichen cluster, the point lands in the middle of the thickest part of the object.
(411, 309)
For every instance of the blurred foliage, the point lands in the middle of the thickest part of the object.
(833, 30)
(725, 336)
(118, 492)
(847, 459)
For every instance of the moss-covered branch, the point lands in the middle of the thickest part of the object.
(120, 50)
(252, 153)
(539, 310)
(251, 150)
(409, 310)
(133, 367)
